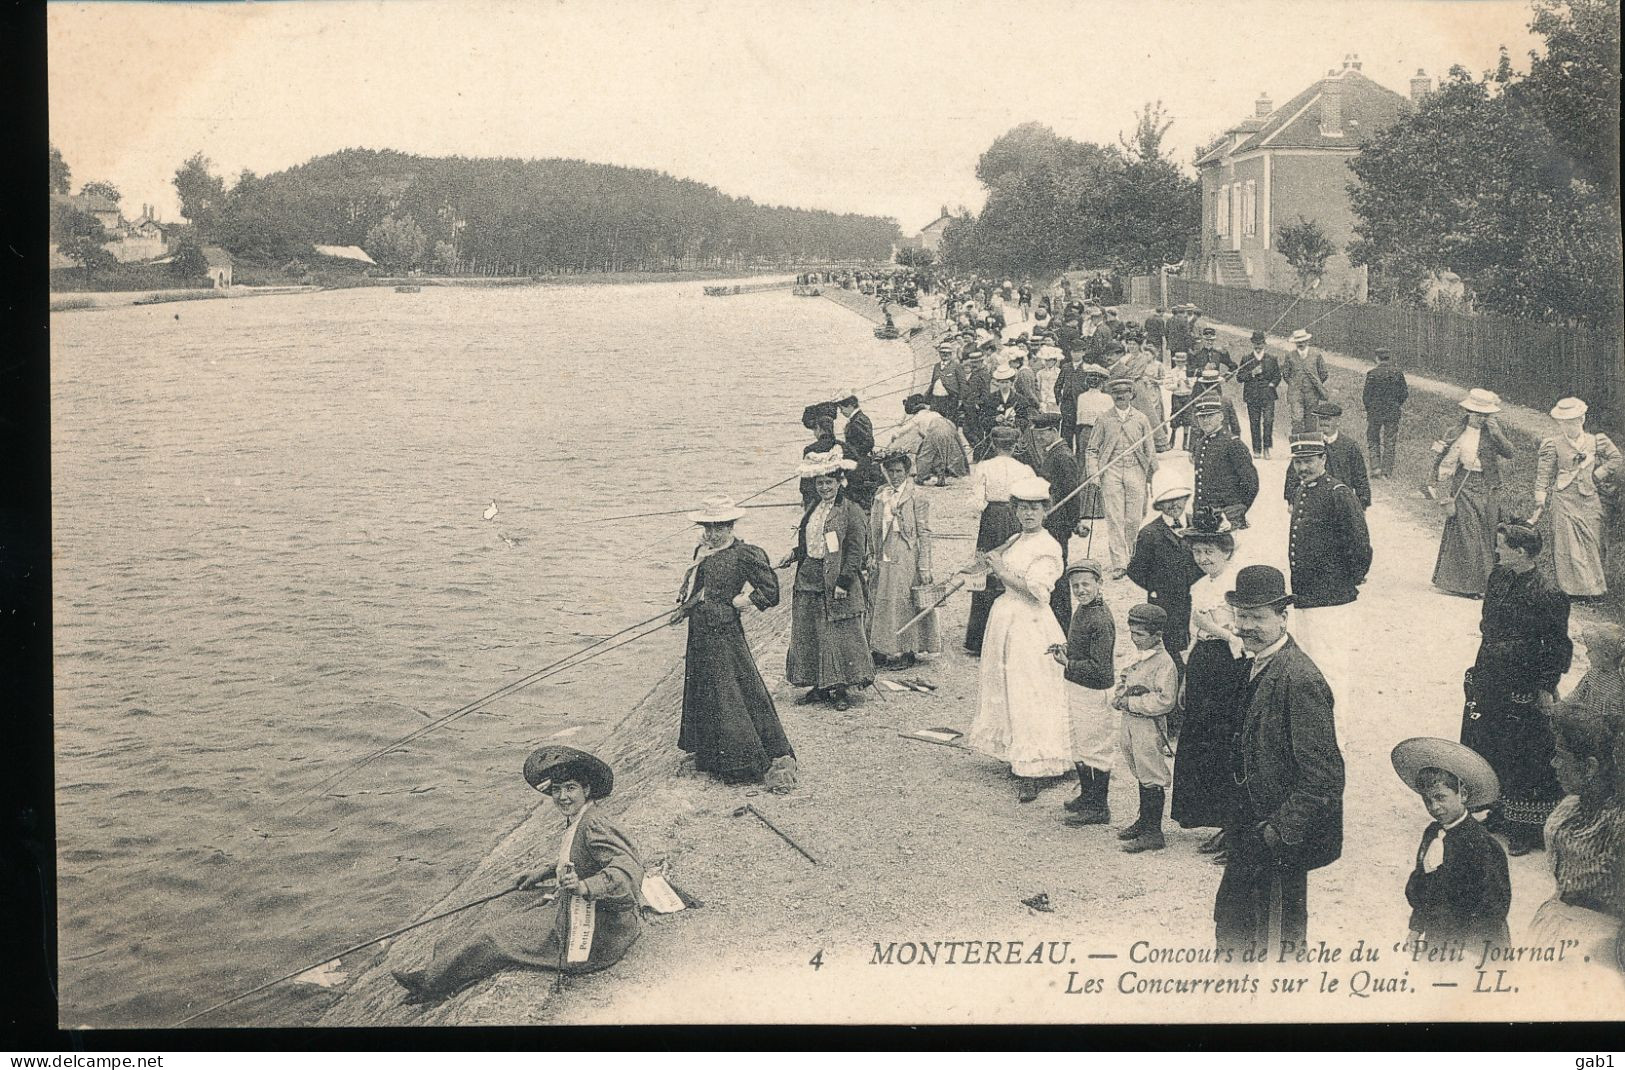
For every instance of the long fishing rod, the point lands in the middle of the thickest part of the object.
(689, 509)
(502, 692)
(338, 955)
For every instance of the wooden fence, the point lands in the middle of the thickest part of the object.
(1525, 361)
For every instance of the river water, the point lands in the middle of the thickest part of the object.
(271, 558)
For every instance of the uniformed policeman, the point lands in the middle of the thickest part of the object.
(1329, 551)
(1226, 479)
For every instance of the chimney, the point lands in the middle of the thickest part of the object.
(1331, 106)
(1421, 86)
(1355, 64)
(1263, 106)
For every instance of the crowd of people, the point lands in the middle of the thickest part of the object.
(1229, 710)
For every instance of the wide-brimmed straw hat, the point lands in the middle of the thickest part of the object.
(1300, 335)
(1258, 586)
(549, 763)
(716, 509)
(1569, 409)
(1479, 785)
(1030, 489)
(1099, 371)
(1485, 401)
(824, 464)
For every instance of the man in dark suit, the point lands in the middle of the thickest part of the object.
(1259, 375)
(1156, 331)
(947, 381)
(1226, 479)
(1059, 466)
(1329, 549)
(1162, 563)
(1385, 394)
(1068, 385)
(1182, 329)
(1344, 461)
(1289, 817)
(859, 445)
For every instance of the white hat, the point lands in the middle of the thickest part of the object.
(717, 509)
(1168, 483)
(1004, 372)
(1569, 409)
(1030, 489)
(1484, 401)
(824, 464)
(1300, 335)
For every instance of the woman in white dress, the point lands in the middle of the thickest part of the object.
(1021, 715)
(1575, 468)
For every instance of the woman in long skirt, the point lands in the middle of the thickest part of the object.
(932, 440)
(991, 481)
(1021, 715)
(729, 722)
(829, 647)
(1469, 469)
(1575, 465)
(1215, 687)
(900, 541)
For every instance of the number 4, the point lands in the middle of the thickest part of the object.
(817, 960)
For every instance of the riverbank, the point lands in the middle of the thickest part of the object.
(923, 850)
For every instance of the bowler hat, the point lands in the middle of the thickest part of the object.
(1479, 784)
(1209, 330)
(553, 762)
(1258, 586)
(1258, 338)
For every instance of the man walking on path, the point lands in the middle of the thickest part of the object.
(1226, 479)
(1329, 550)
(1120, 448)
(1290, 777)
(1305, 375)
(1385, 394)
(1344, 461)
(1259, 376)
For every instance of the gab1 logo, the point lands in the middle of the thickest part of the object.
(1593, 1062)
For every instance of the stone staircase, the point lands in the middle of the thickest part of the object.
(1232, 270)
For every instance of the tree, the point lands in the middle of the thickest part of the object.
(397, 244)
(58, 171)
(1307, 248)
(189, 261)
(202, 193)
(1151, 126)
(80, 237)
(1574, 85)
(445, 257)
(101, 189)
(915, 256)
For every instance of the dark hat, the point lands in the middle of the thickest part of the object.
(1258, 338)
(1328, 408)
(1308, 443)
(1152, 617)
(1207, 403)
(1086, 564)
(1047, 420)
(550, 763)
(1257, 586)
(1207, 525)
(1005, 436)
(1209, 330)
(1479, 784)
(1382, 351)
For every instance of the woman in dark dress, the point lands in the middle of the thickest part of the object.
(820, 420)
(729, 722)
(1215, 682)
(829, 643)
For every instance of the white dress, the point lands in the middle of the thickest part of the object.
(1021, 715)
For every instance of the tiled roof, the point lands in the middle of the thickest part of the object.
(1367, 108)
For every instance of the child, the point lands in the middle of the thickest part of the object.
(1086, 661)
(1459, 891)
(1145, 694)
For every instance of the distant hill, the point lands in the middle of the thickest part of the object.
(509, 216)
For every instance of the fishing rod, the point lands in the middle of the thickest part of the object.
(338, 955)
(675, 512)
(502, 692)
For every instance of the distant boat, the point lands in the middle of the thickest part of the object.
(887, 332)
(408, 289)
(807, 291)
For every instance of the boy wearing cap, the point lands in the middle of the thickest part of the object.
(1259, 376)
(1459, 890)
(1086, 664)
(1344, 461)
(1146, 692)
(1384, 395)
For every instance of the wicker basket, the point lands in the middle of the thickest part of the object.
(926, 595)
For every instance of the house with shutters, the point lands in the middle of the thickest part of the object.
(1280, 164)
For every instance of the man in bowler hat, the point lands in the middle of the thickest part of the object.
(1289, 806)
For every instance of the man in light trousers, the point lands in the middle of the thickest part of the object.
(1121, 450)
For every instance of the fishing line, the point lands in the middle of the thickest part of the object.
(502, 692)
(688, 509)
(338, 955)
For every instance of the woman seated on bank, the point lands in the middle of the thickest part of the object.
(588, 923)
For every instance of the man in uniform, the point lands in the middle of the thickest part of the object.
(1055, 463)
(1288, 817)
(1330, 553)
(1121, 450)
(1344, 461)
(1225, 477)
(1385, 394)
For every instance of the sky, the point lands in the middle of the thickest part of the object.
(873, 106)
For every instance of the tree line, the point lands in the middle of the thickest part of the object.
(509, 216)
